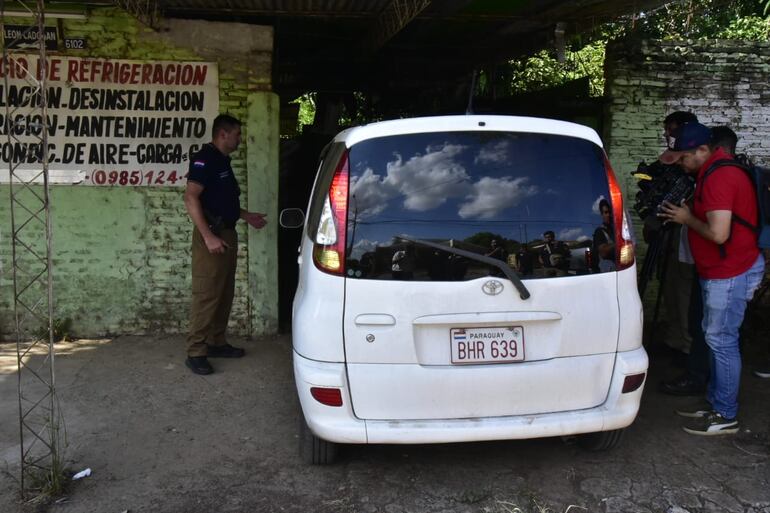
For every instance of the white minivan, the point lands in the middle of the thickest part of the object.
(410, 325)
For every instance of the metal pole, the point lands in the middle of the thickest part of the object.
(39, 416)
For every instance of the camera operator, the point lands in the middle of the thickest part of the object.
(693, 380)
(678, 281)
(729, 265)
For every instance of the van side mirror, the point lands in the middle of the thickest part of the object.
(291, 218)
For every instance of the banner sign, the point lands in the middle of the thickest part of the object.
(110, 122)
(22, 36)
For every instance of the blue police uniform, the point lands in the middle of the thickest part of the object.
(213, 275)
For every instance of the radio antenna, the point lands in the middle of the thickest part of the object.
(469, 109)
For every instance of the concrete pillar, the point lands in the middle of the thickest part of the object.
(262, 154)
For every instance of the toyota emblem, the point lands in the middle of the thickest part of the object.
(492, 287)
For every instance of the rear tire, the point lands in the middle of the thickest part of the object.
(314, 450)
(601, 441)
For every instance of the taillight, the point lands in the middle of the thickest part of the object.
(624, 243)
(631, 383)
(327, 396)
(330, 238)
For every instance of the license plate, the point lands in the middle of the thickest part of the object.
(487, 345)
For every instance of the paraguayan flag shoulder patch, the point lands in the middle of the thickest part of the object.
(199, 163)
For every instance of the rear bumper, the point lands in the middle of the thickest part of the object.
(339, 424)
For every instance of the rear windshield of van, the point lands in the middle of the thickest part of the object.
(531, 201)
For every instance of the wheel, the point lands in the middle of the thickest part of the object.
(314, 450)
(601, 441)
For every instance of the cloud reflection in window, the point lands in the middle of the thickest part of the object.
(571, 234)
(426, 182)
(494, 153)
(491, 196)
(369, 195)
(364, 246)
(595, 206)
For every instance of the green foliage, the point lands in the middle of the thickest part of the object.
(703, 19)
(543, 70)
(689, 19)
(359, 109)
(584, 58)
(306, 110)
(483, 239)
(751, 28)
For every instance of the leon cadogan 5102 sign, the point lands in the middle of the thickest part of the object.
(110, 121)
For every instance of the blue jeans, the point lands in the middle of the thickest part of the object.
(724, 303)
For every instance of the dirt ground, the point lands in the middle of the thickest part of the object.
(160, 439)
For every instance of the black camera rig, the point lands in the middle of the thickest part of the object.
(657, 183)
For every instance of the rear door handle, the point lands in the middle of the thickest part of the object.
(375, 320)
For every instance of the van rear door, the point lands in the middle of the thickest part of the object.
(429, 334)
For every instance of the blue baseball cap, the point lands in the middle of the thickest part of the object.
(685, 138)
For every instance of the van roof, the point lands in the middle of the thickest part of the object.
(487, 123)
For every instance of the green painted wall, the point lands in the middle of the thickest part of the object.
(122, 254)
(262, 159)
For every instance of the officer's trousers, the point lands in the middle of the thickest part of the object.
(213, 287)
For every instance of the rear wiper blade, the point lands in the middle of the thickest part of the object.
(505, 268)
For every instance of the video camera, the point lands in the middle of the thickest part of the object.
(659, 182)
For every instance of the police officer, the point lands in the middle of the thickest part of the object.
(212, 202)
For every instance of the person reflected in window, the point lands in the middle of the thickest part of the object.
(402, 264)
(525, 264)
(496, 250)
(604, 240)
(368, 263)
(438, 265)
(554, 254)
(458, 267)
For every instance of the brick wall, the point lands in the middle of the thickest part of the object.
(122, 254)
(722, 82)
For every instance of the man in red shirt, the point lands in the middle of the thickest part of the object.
(728, 262)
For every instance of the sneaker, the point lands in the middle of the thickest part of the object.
(683, 385)
(762, 373)
(225, 351)
(696, 411)
(712, 424)
(199, 365)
